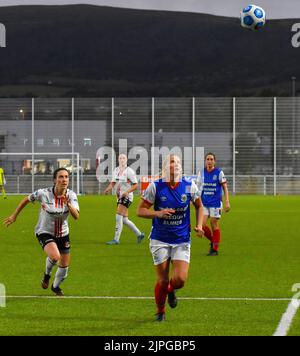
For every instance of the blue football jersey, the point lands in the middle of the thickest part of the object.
(176, 228)
(210, 185)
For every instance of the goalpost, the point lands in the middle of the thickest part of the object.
(27, 172)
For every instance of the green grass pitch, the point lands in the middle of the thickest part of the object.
(259, 258)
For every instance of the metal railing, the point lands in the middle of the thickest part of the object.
(245, 185)
(250, 136)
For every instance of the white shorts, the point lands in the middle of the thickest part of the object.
(213, 212)
(162, 251)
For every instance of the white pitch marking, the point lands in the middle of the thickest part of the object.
(287, 318)
(147, 298)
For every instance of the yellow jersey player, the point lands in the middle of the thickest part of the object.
(2, 183)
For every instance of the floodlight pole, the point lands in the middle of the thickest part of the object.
(275, 146)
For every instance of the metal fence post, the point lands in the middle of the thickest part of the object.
(193, 135)
(72, 145)
(78, 175)
(275, 145)
(153, 138)
(234, 146)
(32, 144)
(112, 132)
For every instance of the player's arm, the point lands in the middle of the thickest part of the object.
(226, 196)
(11, 219)
(199, 216)
(72, 203)
(110, 187)
(73, 210)
(132, 189)
(144, 211)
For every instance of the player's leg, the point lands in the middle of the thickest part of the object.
(53, 256)
(140, 235)
(181, 262)
(63, 265)
(121, 212)
(3, 192)
(206, 229)
(161, 289)
(61, 274)
(179, 274)
(216, 234)
(161, 254)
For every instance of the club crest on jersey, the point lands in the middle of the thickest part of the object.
(163, 198)
(183, 198)
(215, 177)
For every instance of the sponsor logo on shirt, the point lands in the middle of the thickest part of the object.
(183, 198)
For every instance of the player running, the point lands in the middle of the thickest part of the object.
(170, 235)
(52, 230)
(2, 183)
(211, 181)
(125, 181)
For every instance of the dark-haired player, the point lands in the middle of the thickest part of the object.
(212, 182)
(52, 230)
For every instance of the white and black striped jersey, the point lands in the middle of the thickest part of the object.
(53, 219)
(124, 179)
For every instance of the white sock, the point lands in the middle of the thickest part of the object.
(49, 265)
(119, 227)
(132, 226)
(61, 275)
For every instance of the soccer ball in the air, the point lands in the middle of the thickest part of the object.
(253, 17)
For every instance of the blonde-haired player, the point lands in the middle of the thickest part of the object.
(170, 240)
(2, 183)
(125, 181)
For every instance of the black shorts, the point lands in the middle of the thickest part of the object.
(63, 243)
(125, 201)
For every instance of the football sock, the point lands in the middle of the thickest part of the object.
(3, 192)
(171, 286)
(49, 265)
(131, 226)
(216, 239)
(119, 227)
(160, 297)
(60, 276)
(207, 233)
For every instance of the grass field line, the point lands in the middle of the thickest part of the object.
(287, 318)
(245, 299)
